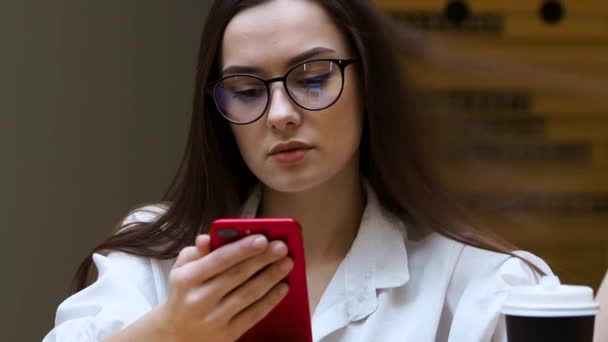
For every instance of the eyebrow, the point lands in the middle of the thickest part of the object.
(302, 57)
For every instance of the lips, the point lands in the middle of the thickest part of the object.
(291, 146)
(290, 153)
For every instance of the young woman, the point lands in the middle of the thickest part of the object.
(301, 111)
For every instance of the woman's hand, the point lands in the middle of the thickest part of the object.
(218, 296)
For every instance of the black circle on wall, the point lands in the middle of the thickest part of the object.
(457, 11)
(552, 11)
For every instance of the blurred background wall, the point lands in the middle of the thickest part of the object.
(532, 77)
(95, 99)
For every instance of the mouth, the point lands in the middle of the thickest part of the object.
(290, 152)
(288, 147)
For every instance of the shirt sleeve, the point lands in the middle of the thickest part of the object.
(123, 292)
(480, 286)
(127, 287)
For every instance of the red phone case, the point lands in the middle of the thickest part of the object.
(289, 321)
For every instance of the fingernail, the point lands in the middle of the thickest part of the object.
(278, 248)
(283, 289)
(286, 265)
(259, 242)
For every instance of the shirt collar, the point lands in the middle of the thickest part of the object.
(380, 243)
(252, 204)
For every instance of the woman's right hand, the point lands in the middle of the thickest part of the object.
(218, 296)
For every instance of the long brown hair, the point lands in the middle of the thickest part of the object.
(213, 181)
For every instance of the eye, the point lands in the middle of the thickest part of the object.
(306, 81)
(317, 79)
(248, 94)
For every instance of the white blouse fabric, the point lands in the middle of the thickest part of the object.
(387, 288)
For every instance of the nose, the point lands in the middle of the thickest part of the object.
(282, 113)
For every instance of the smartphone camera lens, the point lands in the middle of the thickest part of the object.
(227, 233)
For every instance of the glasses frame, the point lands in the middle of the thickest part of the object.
(342, 64)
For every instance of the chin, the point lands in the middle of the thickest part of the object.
(291, 183)
(301, 178)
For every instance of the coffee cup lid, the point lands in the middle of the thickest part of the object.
(550, 299)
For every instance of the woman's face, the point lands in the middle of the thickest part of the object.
(267, 39)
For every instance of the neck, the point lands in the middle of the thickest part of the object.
(329, 214)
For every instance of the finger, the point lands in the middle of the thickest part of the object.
(187, 255)
(224, 258)
(253, 290)
(246, 319)
(203, 244)
(234, 277)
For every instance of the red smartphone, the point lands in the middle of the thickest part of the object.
(290, 319)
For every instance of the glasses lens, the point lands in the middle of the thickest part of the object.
(315, 85)
(241, 99)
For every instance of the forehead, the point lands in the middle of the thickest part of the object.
(272, 32)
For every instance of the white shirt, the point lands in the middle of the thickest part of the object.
(387, 288)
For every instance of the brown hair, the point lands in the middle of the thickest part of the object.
(213, 181)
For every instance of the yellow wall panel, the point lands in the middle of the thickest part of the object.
(581, 27)
(539, 176)
(572, 7)
(592, 129)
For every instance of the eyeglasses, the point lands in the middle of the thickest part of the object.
(314, 85)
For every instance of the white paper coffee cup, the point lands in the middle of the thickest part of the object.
(550, 311)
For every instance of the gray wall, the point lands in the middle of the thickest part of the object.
(94, 106)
